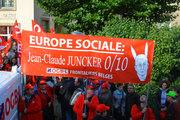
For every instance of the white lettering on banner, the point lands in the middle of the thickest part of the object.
(10, 103)
(52, 60)
(109, 64)
(84, 61)
(19, 48)
(116, 63)
(102, 75)
(49, 43)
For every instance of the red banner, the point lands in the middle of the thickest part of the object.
(116, 60)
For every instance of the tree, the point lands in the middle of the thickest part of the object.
(90, 15)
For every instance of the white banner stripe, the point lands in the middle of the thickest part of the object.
(75, 50)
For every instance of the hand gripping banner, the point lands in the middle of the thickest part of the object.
(110, 59)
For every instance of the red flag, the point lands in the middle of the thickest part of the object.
(8, 45)
(17, 36)
(34, 80)
(52, 31)
(16, 32)
(36, 27)
(2, 43)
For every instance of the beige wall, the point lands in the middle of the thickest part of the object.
(25, 13)
(7, 17)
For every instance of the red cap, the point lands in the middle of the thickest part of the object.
(44, 78)
(89, 87)
(96, 82)
(105, 85)
(42, 82)
(29, 86)
(7, 65)
(101, 108)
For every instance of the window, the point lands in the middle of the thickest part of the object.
(7, 4)
(45, 25)
(5, 31)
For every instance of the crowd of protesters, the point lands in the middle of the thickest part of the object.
(10, 58)
(81, 99)
(95, 101)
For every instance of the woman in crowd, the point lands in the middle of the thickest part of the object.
(161, 99)
(118, 101)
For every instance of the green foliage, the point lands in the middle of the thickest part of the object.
(166, 56)
(166, 63)
(91, 15)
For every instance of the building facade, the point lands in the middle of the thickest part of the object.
(24, 11)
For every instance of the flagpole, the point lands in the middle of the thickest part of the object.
(147, 96)
(85, 106)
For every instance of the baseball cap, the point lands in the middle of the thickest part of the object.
(89, 87)
(44, 78)
(42, 82)
(105, 85)
(101, 108)
(171, 94)
(96, 82)
(29, 86)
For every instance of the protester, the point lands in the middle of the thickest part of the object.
(177, 91)
(46, 101)
(79, 89)
(6, 64)
(131, 99)
(101, 112)
(96, 85)
(13, 61)
(14, 46)
(11, 54)
(171, 114)
(64, 90)
(106, 95)
(138, 112)
(90, 104)
(30, 105)
(119, 102)
(161, 99)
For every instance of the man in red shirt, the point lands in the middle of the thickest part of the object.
(30, 105)
(46, 100)
(91, 103)
(137, 112)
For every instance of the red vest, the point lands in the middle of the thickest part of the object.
(79, 105)
(136, 114)
(34, 109)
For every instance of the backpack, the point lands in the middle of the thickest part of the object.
(75, 95)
